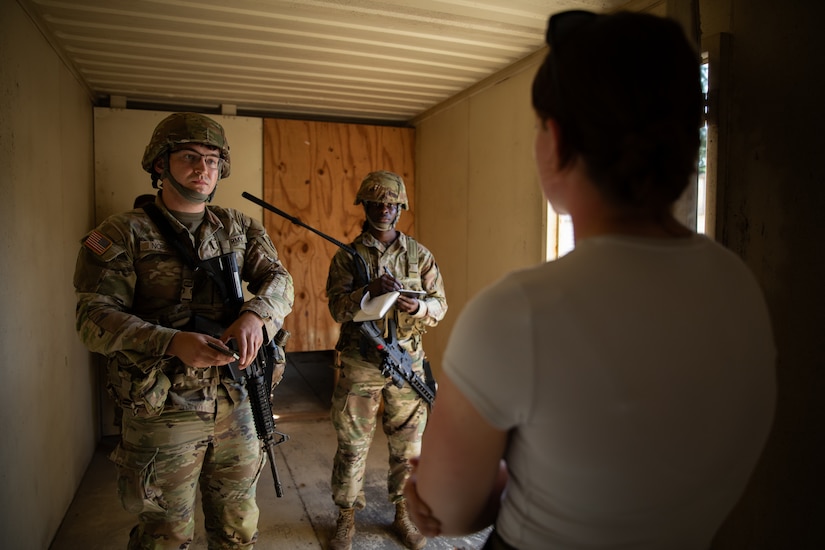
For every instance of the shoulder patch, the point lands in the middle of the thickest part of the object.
(97, 242)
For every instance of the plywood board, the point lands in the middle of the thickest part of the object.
(312, 171)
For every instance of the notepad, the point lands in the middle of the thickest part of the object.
(375, 308)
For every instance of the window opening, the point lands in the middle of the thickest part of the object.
(702, 168)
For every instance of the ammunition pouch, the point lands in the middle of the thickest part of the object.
(409, 327)
(275, 359)
(278, 364)
(142, 393)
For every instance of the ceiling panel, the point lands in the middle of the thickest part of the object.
(383, 61)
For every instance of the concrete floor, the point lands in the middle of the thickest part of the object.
(303, 519)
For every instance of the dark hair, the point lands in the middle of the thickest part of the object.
(625, 92)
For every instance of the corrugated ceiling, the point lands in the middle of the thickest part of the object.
(385, 61)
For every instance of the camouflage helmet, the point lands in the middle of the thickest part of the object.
(180, 128)
(382, 186)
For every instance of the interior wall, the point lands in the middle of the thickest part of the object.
(481, 210)
(47, 394)
(771, 215)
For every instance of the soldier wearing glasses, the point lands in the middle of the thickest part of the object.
(186, 423)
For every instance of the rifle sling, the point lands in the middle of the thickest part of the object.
(184, 246)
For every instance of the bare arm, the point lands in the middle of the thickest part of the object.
(456, 484)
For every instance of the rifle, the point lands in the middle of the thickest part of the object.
(258, 374)
(396, 363)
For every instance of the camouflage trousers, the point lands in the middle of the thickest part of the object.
(355, 403)
(162, 460)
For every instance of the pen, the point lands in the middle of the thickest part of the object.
(387, 271)
(225, 351)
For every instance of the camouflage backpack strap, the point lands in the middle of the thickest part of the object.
(412, 260)
(182, 244)
(187, 252)
(414, 274)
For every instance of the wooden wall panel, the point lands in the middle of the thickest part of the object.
(312, 171)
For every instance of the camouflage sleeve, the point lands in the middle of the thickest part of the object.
(267, 279)
(104, 282)
(431, 281)
(344, 297)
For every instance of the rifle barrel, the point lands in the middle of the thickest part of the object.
(296, 221)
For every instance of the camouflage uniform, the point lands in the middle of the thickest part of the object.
(361, 386)
(181, 425)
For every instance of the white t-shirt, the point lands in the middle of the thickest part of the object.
(637, 379)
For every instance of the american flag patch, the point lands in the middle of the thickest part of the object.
(97, 242)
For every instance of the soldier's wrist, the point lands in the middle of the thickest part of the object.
(257, 315)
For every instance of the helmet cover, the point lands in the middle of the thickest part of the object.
(180, 128)
(382, 186)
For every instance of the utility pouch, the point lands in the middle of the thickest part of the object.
(142, 393)
(137, 481)
(276, 359)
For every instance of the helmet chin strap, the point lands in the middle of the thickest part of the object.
(188, 194)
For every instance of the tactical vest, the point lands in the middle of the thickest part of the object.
(201, 308)
(407, 327)
(199, 296)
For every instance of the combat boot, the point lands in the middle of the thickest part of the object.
(344, 530)
(406, 530)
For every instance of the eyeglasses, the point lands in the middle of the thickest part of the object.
(194, 159)
(560, 27)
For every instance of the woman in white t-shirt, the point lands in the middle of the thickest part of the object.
(620, 396)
